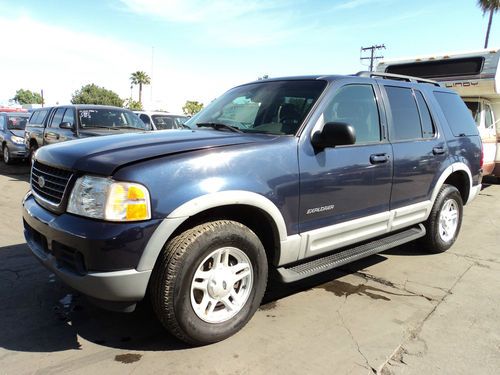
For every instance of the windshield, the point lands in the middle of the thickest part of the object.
(169, 122)
(274, 107)
(17, 122)
(109, 118)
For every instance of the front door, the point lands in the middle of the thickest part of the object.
(345, 190)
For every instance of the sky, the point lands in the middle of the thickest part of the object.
(198, 49)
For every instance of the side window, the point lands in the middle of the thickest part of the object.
(41, 116)
(34, 117)
(474, 111)
(488, 117)
(69, 116)
(145, 119)
(405, 117)
(57, 119)
(2, 122)
(356, 105)
(428, 130)
(456, 113)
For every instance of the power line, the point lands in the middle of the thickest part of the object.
(372, 56)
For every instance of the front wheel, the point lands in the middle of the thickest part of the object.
(209, 281)
(6, 155)
(445, 220)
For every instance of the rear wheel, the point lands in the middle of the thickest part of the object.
(209, 281)
(445, 220)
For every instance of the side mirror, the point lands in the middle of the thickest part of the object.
(334, 134)
(66, 125)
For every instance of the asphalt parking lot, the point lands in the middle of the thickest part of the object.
(400, 312)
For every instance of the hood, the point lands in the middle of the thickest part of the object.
(103, 155)
(17, 132)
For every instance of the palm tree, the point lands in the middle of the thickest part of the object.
(140, 78)
(486, 6)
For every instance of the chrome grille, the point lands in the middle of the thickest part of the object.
(49, 183)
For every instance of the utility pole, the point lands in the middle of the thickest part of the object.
(372, 56)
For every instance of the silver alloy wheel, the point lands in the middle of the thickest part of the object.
(448, 220)
(6, 156)
(221, 285)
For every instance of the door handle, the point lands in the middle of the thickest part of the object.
(438, 150)
(379, 158)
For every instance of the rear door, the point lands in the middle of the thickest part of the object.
(345, 190)
(419, 151)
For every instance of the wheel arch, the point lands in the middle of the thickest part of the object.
(251, 209)
(459, 175)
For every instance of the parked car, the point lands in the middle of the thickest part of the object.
(300, 175)
(12, 126)
(162, 120)
(51, 125)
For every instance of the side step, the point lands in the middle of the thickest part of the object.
(313, 267)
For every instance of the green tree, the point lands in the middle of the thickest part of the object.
(93, 94)
(133, 105)
(490, 6)
(140, 78)
(27, 97)
(192, 107)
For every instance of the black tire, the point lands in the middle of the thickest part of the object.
(170, 286)
(433, 240)
(7, 159)
(33, 149)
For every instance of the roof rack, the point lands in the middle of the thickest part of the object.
(397, 77)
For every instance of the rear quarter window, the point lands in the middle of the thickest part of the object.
(457, 114)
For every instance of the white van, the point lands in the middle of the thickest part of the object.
(475, 76)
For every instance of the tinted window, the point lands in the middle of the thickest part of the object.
(425, 116)
(41, 116)
(145, 119)
(457, 115)
(405, 117)
(57, 119)
(356, 105)
(168, 122)
(1, 122)
(34, 117)
(69, 116)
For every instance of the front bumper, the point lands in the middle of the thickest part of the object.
(18, 151)
(96, 258)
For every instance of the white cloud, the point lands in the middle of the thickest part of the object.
(233, 23)
(60, 61)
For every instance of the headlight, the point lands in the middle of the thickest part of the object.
(17, 140)
(106, 199)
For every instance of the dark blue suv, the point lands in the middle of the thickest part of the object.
(299, 174)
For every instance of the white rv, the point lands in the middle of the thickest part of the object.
(476, 77)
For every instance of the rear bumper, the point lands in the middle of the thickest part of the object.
(72, 247)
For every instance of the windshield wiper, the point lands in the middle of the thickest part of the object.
(97, 126)
(219, 126)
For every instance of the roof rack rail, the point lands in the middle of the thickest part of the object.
(397, 77)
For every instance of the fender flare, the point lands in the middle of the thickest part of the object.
(219, 199)
(458, 166)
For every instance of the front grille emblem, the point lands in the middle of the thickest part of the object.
(41, 181)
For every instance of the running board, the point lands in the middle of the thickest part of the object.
(313, 267)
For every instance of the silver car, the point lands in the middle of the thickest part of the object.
(12, 126)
